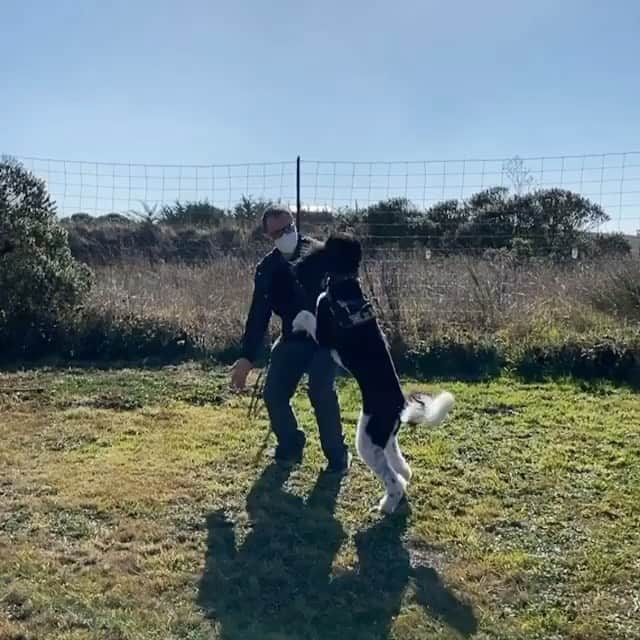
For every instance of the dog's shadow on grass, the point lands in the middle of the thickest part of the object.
(278, 582)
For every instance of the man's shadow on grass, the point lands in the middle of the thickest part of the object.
(278, 582)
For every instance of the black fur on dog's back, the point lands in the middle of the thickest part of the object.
(339, 255)
(361, 346)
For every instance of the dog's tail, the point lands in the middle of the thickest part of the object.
(424, 409)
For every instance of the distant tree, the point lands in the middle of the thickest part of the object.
(441, 224)
(200, 213)
(390, 221)
(554, 219)
(490, 220)
(80, 218)
(149, 214)
(544, 222)
(113, 218)
(607, 244)
(250, 209)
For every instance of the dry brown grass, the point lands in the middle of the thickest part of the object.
(418, 298)
(209, 301)
(615, 288)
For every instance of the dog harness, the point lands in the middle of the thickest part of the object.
(352, 312)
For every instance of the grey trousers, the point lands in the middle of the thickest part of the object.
(290, 360)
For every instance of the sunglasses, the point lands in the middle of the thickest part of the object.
(281, 232)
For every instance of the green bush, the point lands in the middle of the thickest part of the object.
(586, 356)
(603, 245)
(98, 335)
(198, 214)
(454, 357)
(250, 210)
(390, 221)
(547, 223)
(41, 284)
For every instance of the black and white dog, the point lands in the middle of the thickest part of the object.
(346, 324)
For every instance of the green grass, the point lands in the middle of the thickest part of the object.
(140, 504)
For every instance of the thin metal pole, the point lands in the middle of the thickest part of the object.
(298, 193)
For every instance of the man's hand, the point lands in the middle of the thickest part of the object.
(239, 373)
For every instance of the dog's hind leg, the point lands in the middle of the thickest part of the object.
(375, 458)
(396, 459)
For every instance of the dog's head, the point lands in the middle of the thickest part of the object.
(343, 254)
(340, 255)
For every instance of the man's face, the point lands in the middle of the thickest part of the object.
(277, 226)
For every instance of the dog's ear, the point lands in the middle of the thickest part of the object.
(310, 258)
(345, 243)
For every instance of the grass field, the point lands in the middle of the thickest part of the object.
(139, 504)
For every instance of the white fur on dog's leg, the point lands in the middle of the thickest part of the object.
(305, 322)
(374, 457)
(396, 459)
(394, 495)
(361, 434)
(395, 485)
(390, 502)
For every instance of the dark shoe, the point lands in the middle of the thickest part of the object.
(287, 456)
(340, 465)
(290, 452)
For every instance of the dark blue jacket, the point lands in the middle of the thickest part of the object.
(277, 289)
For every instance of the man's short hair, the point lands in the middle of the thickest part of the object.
(274, 211)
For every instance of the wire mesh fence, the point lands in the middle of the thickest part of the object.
(100, 188)
(610, 180)
(410, 213)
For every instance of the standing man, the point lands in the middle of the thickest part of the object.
(293, 355)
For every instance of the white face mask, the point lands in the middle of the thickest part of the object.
(287, 243)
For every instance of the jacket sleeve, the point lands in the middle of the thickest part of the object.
(324, 327)
(259, 315)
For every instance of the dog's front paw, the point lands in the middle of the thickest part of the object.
(305, 322)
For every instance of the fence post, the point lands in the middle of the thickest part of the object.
(298, 193)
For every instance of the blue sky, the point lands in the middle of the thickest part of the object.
(202, 82)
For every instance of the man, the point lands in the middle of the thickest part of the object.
(293, 355)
